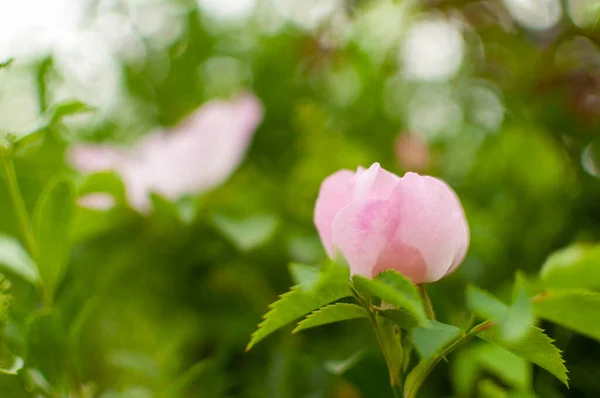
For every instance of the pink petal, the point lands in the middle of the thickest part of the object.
(93, 158)
(334, 194)
(374, 183)
(432, 222)
(361, 230)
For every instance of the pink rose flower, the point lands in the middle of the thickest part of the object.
(378, 221)
(195, 156)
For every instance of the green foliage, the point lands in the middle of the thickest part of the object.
(294, 304)
(10, 364)
(391, 345)
(331, 313)
(432, 338)
(535, 347)
(15, 259)
(52, 219)
(514, 321)
(304, 275)
(404, 319)
(65, 108)
(248, 233)
(574, 267)
(477, 360)
(393, 288)
(574, 309)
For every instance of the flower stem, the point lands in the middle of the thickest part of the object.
(19, 205)
(428, 305)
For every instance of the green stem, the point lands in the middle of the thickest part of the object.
(394, 371)
(418, 375)
(428, 305)
(41, 84)
(19, 205)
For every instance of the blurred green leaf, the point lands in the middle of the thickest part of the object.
(331, 313)
(247, 233)
(393, 288)
(29, 140)
(514, 321)
(430, 339)
(178, 387)
(52, 115)
(294, 304)
(10, 364)
(304, 275)
(13, 387)
(519, 317)
(476, 359)
(52, 219)
(48, 351)
(15, 259)
(6, 63)
(67, 107)
(577, 310)
(105, 181)
(340, 367)
(485, 304)
(535, 347)
(574, 267)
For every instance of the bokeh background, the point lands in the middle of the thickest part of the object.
(499, 98)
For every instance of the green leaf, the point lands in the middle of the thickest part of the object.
(105, 181)
(519, 317)
(434, 337)
(10, 364)
(417, 376)
(52, 219)
(342, 366)
(514, 321)
(535, 347)
(480, 358)
(395, 289)
(247, 233)
(6, 63)
(575, 267)
(294, 304)
(29, 140)
(576, 310)
(485, 304)
(15, 259)
(178, 387)
(48, 350)
(404, 319)
(332, 313)
(67, 108)
(304, 275)
(52, 115)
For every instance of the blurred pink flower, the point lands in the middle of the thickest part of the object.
(412, 152)
(378, 221)
(194, 156)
